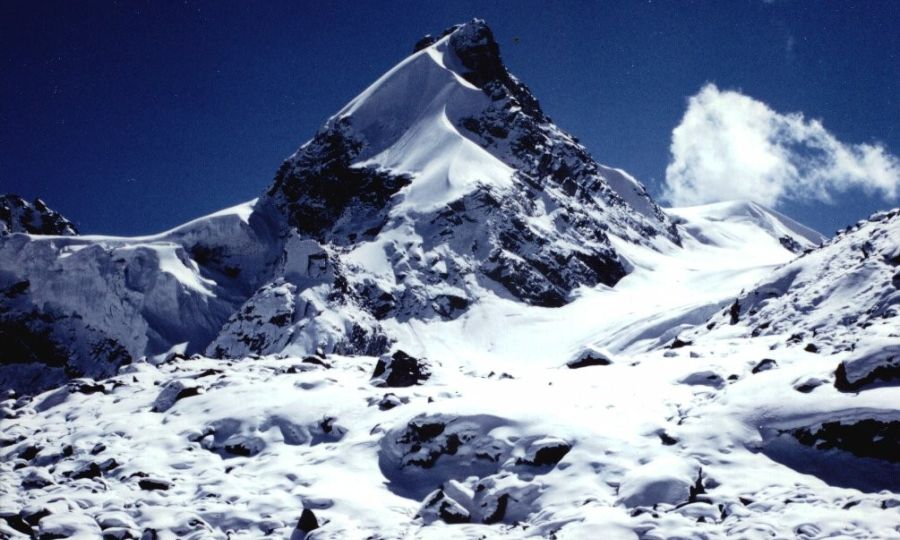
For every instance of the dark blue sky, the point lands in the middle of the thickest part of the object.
(132, 117)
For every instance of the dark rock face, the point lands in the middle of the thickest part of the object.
(400, 370)
(547, 455)
(308, 521)
(439, 505)
(790, 244)
(871, 438)
(317, 189)
(43, 349)
(18, 215)
(868, 370)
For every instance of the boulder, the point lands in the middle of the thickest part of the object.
(399, 370)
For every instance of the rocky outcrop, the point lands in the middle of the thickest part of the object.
(20, 216)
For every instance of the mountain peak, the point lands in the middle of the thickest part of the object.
(449, 142)
(19, 215)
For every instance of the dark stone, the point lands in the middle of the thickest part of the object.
(318, 185)
(86, 387)
(30, 452)
(402, 370)
(811, 347)
(308, 521)
(153, 484)
(679, 343)
(315, 360)
(790, 244)
(240, 449)
(18, 215)
(450, 514)
(807, 387)
(499, 512)
(734, 312)
(886, 373)
(589, 358)
(764, 365)
(426, 41)
(16, 289)
(697, 489)
(667, 439)
(550, 455)
(426, 432)
(388, 402)
(17, 523)
(34, 517)
(91, 470)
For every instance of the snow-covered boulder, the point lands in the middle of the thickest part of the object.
(875, 362)
(667, 479)
(589, 356)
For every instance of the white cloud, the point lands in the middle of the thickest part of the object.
(731, 146)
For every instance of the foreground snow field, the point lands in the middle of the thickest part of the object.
(445, 320)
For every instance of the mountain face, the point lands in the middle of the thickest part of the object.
(18, 215)
(441, 183)
(444, 319)
(450, 146)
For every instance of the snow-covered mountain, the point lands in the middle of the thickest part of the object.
(444, 319)
(19, 215)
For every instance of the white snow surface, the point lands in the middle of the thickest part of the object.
(255, 441)
(712, 419)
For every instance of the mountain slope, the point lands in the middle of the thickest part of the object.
(443, 183)
(483, 430)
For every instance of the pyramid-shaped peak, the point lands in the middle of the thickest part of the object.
(474, 44)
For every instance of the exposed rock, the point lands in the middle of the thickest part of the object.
(400, 369)
(547, 451)
(173, 392)
(19, 216)
(307, 522)
(871, 437)
(154, 484)
(808, 384)
(590, 356)
(764, 365)
(878, 363)
(704, 378)
(438, 506)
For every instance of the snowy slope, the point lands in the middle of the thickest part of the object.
(489, 434)
(444, 319)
